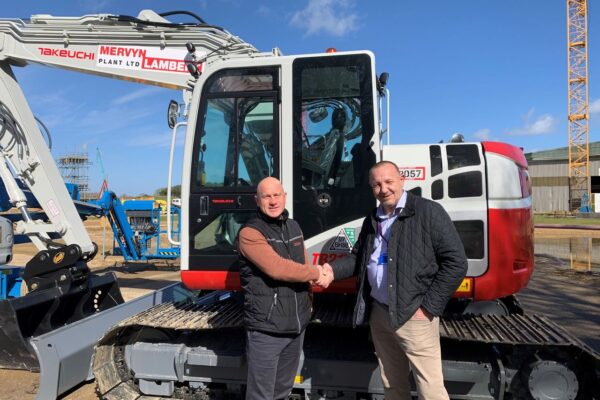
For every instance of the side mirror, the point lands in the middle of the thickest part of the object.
(172, 113)
(382, 82)
(383, 78)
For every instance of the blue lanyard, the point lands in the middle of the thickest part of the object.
(380, 233)
(380, 229)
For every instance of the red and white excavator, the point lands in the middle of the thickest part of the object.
(315, 122)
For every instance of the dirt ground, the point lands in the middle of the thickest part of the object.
(552, 233)
(570, 298)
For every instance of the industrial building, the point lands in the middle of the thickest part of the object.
(549, 173)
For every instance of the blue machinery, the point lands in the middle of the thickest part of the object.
(136, 228)
(10, 281)
(135, 223)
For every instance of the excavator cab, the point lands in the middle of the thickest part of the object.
(318, 111)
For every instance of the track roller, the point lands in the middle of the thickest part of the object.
(551, 380)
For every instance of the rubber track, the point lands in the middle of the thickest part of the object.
(113, 380)
(511, 329)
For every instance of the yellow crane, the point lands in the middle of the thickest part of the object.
(579, 156)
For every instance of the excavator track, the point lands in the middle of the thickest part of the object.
(522, 348)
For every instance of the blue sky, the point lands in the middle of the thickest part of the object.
(491, 70)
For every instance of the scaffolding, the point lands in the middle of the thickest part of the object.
(579, 156)
(74, 168)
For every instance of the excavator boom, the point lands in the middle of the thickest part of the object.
(146, 49)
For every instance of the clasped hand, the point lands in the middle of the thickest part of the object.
(325, 276)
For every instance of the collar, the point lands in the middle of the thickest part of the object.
(399, 206)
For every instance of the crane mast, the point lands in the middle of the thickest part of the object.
(579, 155)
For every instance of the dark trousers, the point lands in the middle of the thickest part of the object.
(272, 364)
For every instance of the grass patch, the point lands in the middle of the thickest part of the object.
(563, 220)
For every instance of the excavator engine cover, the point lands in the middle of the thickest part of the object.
(61, 297)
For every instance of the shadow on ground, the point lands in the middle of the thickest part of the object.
(137, 267)
(569, 298)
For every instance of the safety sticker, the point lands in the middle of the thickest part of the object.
(341, 242)
(143, 58)
(350, 233)
(412, 173)
(52, 207)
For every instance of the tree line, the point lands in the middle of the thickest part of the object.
(175, 191)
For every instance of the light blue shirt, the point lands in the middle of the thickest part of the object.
(377, 270)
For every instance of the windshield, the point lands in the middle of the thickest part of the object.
(236, 143)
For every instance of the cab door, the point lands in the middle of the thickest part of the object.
(236, 145)
(334, 128)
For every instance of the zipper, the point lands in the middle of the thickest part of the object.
(297, 315)
(287, 247)
(272, 306)
(286, 244)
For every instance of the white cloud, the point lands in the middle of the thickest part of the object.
(335, 17)
(482, 134)
(137, 94)
(264, 11)
(540, 126)
(594, 107)
(85, 121)
(158, 140)
(117, 120)
(56, 109)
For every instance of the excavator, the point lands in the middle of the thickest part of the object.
(316, 122)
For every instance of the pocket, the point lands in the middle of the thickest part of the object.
(272, 307)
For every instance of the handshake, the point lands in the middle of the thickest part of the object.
(325, 276)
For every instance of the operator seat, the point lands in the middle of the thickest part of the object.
(333, 152)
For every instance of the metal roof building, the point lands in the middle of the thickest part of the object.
(549, 173)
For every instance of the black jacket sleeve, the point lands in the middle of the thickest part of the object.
(348, 266)
(451, 260)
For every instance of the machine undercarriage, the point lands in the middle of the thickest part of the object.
(195, 349)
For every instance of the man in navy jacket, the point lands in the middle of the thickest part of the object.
(409, 260)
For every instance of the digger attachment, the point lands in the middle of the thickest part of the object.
(61, 291)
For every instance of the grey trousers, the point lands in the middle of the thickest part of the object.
(272, 364)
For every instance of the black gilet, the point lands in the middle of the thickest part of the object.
(270, 305)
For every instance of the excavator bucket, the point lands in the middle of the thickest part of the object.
(24, 318)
